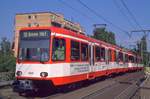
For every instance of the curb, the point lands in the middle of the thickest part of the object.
(6, 83)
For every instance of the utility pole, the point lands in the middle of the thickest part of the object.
(143, 49)
(143, 30)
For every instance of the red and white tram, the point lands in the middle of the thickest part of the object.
(59, 57)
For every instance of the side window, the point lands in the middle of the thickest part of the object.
(58, 49)
(97, 53)
(131, 59)
(110, 55)
(75, 51)
(102, 54)
(134, 59)
(84, 52)
(115, 56)
(126, 58)
(138, 60)
(120, 57)
(141, 61)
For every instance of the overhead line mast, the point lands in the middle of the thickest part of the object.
(145, 31)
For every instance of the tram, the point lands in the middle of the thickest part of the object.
(54, 56)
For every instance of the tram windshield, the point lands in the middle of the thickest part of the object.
(34, 45)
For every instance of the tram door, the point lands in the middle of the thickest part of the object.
(91, 61)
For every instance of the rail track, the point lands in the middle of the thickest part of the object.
(116, 87)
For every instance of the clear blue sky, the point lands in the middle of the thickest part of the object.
(107, 8)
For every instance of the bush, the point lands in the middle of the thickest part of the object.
(7, 62)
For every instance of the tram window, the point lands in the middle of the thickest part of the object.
(134, 59)
(102, 54)
(126, 58)
(75, 51)
(58, 49)
(110, 55)
(138, 60)
(97, 53)
(120, 57)
(141, 61)
(115, 56)
(84, 52)
(131, 59)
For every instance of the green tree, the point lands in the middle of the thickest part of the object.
(5, 45)
(7, 60)
(102, 34)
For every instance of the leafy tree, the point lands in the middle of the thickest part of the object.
(102, 34)
(5, 45)
(7, 60)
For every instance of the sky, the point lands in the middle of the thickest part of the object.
(112, 10)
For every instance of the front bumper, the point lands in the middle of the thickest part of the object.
(23, 86)
(32, 85)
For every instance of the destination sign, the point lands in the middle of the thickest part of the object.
(35, 34)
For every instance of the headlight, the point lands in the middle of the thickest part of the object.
(43, 74)
(19, 73)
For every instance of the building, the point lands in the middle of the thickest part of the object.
(38, 19)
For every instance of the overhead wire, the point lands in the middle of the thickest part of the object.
(76, 10)
(133, 17)
(103, 18)
(123, 13)
(131, 14)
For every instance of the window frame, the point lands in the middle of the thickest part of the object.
(110, 55)
(134, 59)
(82, 43)
(79, 59)
(28, 39)
(115, 56)
(131, 58)
(96, 53)
(126, 58)
(53, 50)
(120, 56)
(103, 55)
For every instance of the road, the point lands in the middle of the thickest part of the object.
(116, 87)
